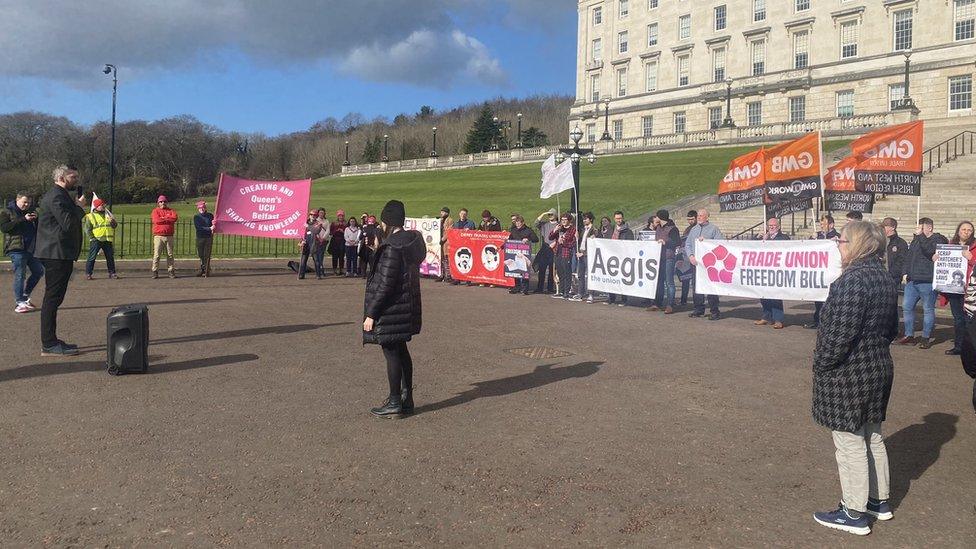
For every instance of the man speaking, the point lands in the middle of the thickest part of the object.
(58, 245)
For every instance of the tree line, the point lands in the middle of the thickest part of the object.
(182, 156)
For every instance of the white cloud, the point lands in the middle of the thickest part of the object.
(389, 40)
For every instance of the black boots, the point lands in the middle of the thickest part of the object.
(396, 405)
(406, 401)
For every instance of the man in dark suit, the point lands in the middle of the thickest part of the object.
(58, 246)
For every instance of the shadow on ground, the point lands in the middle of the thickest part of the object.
(53, 369)
(542, 375)
(912, 450)
(247, 332)
(169, 302)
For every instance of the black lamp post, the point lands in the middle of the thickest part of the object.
(518, 141)
(728, 123)
(575, 155)
(386, 148)
(433, 149)
(907, 102)
(495, 134)
(606, 121)
(346, 163)
(110, 69)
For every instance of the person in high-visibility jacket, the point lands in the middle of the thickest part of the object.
(99, 227)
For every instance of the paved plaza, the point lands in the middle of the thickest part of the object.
(539, 423)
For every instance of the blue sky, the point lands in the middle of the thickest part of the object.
(252, 66)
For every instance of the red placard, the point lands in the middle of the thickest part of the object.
(478, 256)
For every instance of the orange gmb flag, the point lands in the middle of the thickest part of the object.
(840, 193)
(742, 186)
(793, 169)
(889, 160)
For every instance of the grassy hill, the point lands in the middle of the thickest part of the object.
(636, 184)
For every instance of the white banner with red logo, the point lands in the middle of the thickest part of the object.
(798, 270)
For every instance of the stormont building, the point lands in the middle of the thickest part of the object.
(671, 67)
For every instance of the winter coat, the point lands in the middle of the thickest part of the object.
(337, 232)
(393, 289)
(521, 234)
(58, 226)
(491, 225)
(164, 221)
(897, 253)
(623, 232)
(671, 237)
(18, 233)
(852, 366)
(919, 266)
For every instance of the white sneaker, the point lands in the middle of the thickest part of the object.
(576, 298)
(589, 299)
(22, 308)
(556, 296)
(29, 304)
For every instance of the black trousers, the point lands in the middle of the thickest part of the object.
(399, 367)
(685, 284)
(545, 264)
(700, 303)
(339, 259)
(564, 266)
(57, 272)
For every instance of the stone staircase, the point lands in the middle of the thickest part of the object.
(948, 194)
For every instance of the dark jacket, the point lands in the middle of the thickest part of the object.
(852, 366)
(897, 253)
(520, 234)
(919, 266)
(780, 235)
(58, 226)
(203, 222)
(18, 233)
(969, 354)
(671, 237)
(393, 289)
(491, 225)
(624, 232)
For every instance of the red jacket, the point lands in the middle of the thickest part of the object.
(164, 221)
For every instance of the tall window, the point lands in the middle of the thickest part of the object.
(684, 27)
(683, 69)
(622, 42)
(896, 93)
(848, 39)
(652, 34)
(624, 8)
(961, 93)
(622, 82)
(720, 17)
(647, 126)
(594, 87)
(758, 57)
(798, 108)
(845, 104)
(679, 122)
(801, 55)
(598, 15)
(903, 30)
(650, 76)
(754, 112)
(597, 49)
(651, 4)
(591, 133)
(718, 64)
(802, 5)
(965, 19)
(714, 117)
(758, 10)
(618, 130)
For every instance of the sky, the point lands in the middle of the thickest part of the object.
(279, 66)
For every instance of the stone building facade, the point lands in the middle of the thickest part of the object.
(665, 64)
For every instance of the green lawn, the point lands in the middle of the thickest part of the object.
(636, 184)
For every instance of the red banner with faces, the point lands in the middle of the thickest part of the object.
(478, 256)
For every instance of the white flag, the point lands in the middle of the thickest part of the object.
(557, 179)
(548, 165)
(92, 206)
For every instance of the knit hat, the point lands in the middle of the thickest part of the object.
(446, 210)
(98, 203)
(663, 215)
(202, 204)
(341, 212)
(393, 214)
(692, 213)
(162, 198)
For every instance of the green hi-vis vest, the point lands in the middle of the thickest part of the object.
(101, 226)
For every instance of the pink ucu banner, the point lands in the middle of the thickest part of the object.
(270, 209)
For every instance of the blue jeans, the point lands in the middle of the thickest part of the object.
(21, 262)
(914, 291)
(773, 310)
(669, 288)
(352, 261)
(93, 249)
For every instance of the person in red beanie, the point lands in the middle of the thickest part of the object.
(163, 229)
(99, 226)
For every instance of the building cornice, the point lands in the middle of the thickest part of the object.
(651, 54)
(718, 40)
(847, 13)
(682, 48)
(623, 61)
(756, 32)
(805, 22)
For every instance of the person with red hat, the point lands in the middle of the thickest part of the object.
(163, 228)
(203, 222)
(99, 226)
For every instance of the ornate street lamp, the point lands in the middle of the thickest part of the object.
(386, 148)
(518, 141)
(433, 149)
(728, 123)
(606, 121)
(575, 154)
(907, 103)
(110, 69)
(346, 163)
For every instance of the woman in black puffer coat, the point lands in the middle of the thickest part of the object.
(392, 312)
(852, 376)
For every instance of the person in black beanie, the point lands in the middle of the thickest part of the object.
(392, 310)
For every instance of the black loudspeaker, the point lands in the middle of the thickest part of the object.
(128, 340)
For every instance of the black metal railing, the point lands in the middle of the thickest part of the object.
(958, 145)
(752, 232)
(134, 239)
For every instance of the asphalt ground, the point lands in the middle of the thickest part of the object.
(252, 427)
